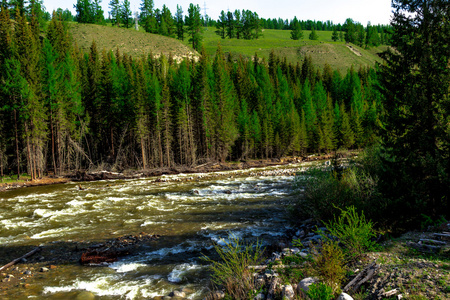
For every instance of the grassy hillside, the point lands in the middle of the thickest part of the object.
(324, 50)
(137, 43)
(129, 41)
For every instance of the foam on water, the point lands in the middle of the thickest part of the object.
(179, 272)
(51, 233)
(126, 266)
(111, 286)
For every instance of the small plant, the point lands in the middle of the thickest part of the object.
(329, 264)
(353, 231)
(320, 291)
(232, 271)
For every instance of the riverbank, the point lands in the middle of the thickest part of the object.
(211, 167)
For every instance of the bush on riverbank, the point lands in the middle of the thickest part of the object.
(231, 271)
(325, 191)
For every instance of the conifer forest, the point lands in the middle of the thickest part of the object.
(63, 110)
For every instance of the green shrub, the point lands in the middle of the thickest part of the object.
(326, 191)
(329, 264)
(353, 231)
(320, 291)
(231, 271)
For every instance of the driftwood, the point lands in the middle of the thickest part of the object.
(273, 288)
(444, 235)
(20, 258)
(362, 277)
(428, 241)
(424, 247)
(262, 267)
(390, 293)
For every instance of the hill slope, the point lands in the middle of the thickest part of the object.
(137, 43)
(324, 50)
(129, 41)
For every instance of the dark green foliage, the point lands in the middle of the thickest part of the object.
(125, 12)
(415, 81)
(296, 32)
(147, 16)
(89, 11)
(313, 35)
(115, 12)
(335, 35)
(179, 23)
(73, 111)
(194, 26)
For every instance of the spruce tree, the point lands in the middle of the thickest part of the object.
(147, 16)
(115, 12)
(416, 81)
(179, 23)
(194, 26)
(125, 13)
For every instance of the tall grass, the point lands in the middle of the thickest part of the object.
(231, 271)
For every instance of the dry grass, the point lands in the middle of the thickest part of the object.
(129, 41)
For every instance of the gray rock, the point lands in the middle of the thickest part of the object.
(344, 296)
(303, 285)
(27, 272)
(44, 269)
(287, 292)
(85, 296)
(177, 294)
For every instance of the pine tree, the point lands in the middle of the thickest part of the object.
(179, 23)
(147, 16)
(85, 11)
(125, 14)
(221, 25)
(313, 35)
(226, 130)
(115, 12)
(416, 82)
(335, 34)
(194, 26)
(296, 32)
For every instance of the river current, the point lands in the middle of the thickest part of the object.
(190, 216)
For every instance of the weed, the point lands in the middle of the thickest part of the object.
(320, 291)
(232, 271)
(353, 231)
(329, 264)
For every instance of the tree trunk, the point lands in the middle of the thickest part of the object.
(53, 143)
(17, 144)
(30, 162)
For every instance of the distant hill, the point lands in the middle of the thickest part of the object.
(137, 43)
(129, 41)
(324, 50)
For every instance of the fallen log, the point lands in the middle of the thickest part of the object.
(424, 247)
(20, 258)
(262, 267)
(443, 235)
(368, 272)
(428, 241)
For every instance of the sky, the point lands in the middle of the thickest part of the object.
(362, 11)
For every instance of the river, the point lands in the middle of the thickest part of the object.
(189, 215)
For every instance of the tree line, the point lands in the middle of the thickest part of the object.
(63, 110)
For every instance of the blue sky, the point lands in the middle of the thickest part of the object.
(363, 11)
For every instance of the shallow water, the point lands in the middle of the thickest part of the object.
(190, 217)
